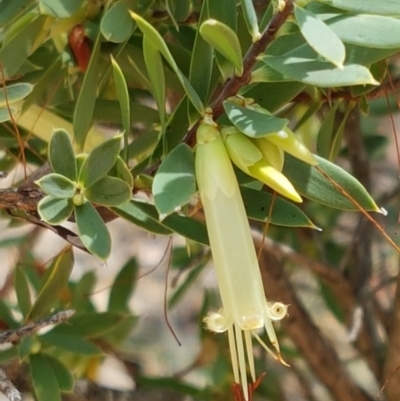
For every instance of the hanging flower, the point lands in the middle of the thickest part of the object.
(245, 310)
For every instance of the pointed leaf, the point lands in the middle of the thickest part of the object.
(201, 61)
(60, 8)
(92, 230)
(251, 122)
(116, 24)
(100, 161)
(61, 154)
(250, 18)
(155, 72)
(5, 114)
(186, 226)
(320, 37)
(367, 30)
(15, 52)
(320, 73)
(62, 373)
(123, 99)
(109, 191)
(70, 343)
(132, 211)
(60, 270)
(57, 186)
(224, 40)
(123, 287)
(84, 108)
(284, 213)
(310, 183)
(174, 183)
(383, 7)
(22, 291)
(54, 211)
(90, 324)
(324, 137)
(45, 384)
(14, 93)
(158, 42)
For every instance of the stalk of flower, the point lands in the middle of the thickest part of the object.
(245, 310)
(250, 159)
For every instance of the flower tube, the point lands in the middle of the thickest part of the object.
(245, 309)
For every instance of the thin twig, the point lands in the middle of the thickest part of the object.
(15, 335)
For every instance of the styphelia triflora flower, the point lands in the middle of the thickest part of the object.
(250, 159)
(245, 309)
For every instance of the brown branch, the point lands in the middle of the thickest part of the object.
(392, 362)
(341, 290)
(232, 86)
(319, 354)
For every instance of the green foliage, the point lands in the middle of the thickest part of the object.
(155, 70)
(78, 181)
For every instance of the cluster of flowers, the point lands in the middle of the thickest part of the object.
(245, 309)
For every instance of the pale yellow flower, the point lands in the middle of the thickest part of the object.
(245, 310)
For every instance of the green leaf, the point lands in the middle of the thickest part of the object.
(146, 216)
(250, 18)
(57, 280)
(155, 71)
(174, 183)
(5, 114)
(92, 230)
(123, 287)
(367, 30)
(158, 42)
(116, 24)
(51, 74)
(121, 331)
(133, 212)
(201, 61)
(45, 384)
(86, 101)
(283, 92)
(325, 133)
(57, 186)
(14, 93)
(22, 291)
(100, 161)
(320, 73)
(252, 122)
(320, 37)
(124, 101)
(60, 8)
(284, 213)
(61, 154)
(186, 284)
(383, 7)
(63, 375)
(224, 40)
(91, 324)
(109, 191)
(70, 343)
(54, 211)
(122, 171)
(14, 53)
(310, 183)
(10, 9)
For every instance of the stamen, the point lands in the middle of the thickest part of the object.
(250, 357)
(242, 361)
(234, 356)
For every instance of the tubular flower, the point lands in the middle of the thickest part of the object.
(287, 141)
(245, 309)
(249, 158)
